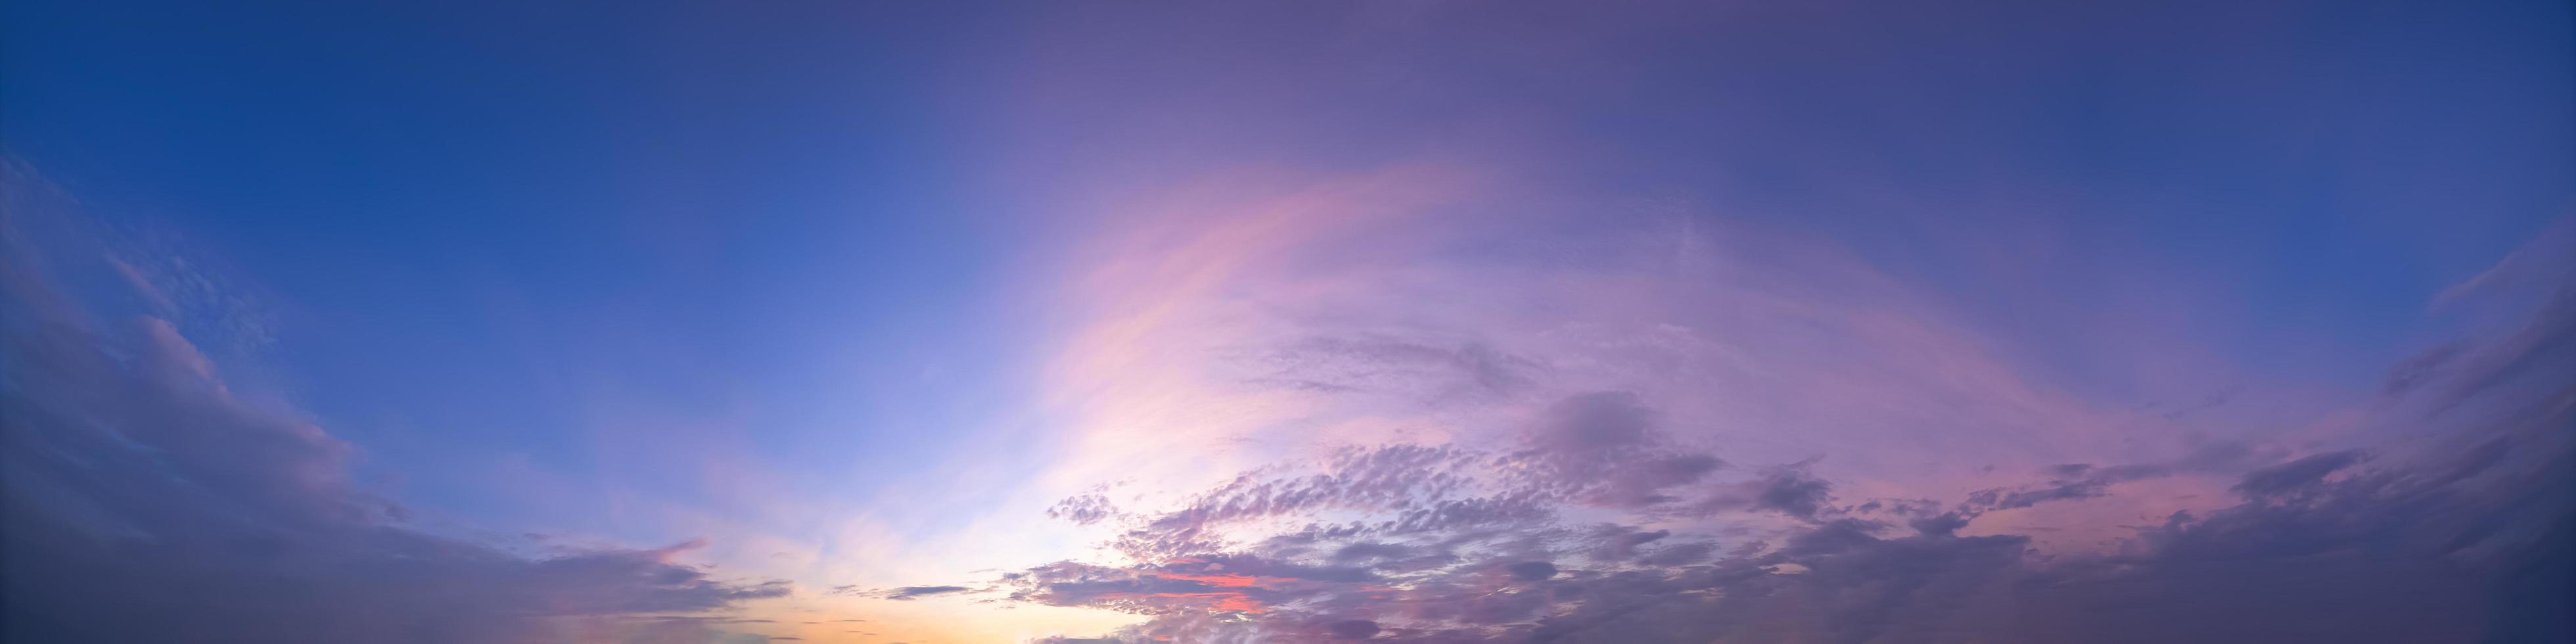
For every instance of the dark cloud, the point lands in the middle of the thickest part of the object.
(1680, 554)
(1352, 629)
(1596, 449)
(2414, 371)
(1940, 526)
(902, 593)
(1789, 491)
(1619, 543)
(2291, 476)
(2002, 499)
(2078, 481)
(1416, 487)
(1793, 493)
(147, 501)
(1533, 570)
(706, 620)
(1381, 362)
(2339, 545)
(1601, 449)
(2260, 571)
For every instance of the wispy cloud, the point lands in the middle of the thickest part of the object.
(150, 500)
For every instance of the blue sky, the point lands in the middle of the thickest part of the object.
(865, 298)
(507, 235)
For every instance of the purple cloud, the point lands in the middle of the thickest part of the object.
(904, 593)
(1401, 544)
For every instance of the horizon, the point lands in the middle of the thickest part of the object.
(1420, 322)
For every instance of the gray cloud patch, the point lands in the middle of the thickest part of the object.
(1385, 363)
(903, 593)
(1793, 493)
(1602, 449)
(2291, 476)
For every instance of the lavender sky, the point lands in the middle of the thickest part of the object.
(1405, 321)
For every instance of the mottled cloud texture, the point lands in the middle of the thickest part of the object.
(148, 501)
(1591, 529)
(1546, 481)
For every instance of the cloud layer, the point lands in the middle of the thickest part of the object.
(1453, 546)
(148, 501)
(2437, 512)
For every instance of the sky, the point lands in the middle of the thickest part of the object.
(1391, 321)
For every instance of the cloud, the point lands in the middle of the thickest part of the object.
(1600, 448)
(1792, 493)
(1532, 570)
(2294, 475)
(2079, 481)
(1619, 542)
(1602, 502)
(1944, 525)
(1085, 509)
(904, 593)
(1381, 362)
(147, 500)
(2255, 572)
(1352, 629)
(2435, 544)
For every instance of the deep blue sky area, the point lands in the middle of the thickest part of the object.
(422, 185)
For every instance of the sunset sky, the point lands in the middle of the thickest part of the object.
(1234, 322)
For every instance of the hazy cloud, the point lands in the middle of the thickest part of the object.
(148, 501)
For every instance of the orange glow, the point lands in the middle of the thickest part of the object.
(1220, 581)
(1241, 604)
(1237, 602)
